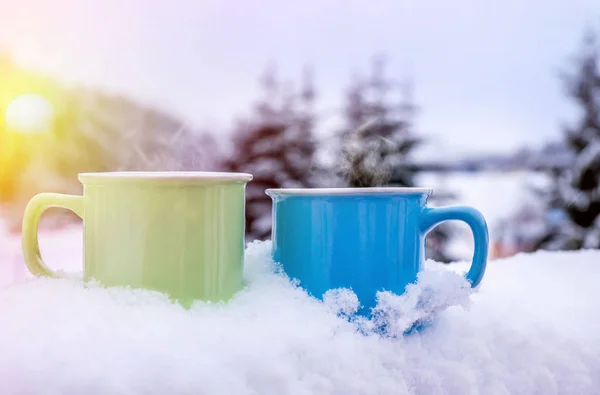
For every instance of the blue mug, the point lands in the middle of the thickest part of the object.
(366, 239)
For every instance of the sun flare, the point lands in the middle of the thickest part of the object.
(30, 114)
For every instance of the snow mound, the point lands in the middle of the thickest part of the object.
(533, 327)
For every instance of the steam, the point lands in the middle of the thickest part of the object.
(180, 149)
(363, 155)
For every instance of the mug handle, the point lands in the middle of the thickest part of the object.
(31, 221)
(435, 216)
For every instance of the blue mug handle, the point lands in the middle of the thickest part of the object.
(435, 216)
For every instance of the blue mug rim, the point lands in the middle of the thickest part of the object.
(348, 191)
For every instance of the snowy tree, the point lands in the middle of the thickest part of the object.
(573, 220)
(276, 145)
(378, 140)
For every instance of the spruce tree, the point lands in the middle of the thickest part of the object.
(573, 220)
(276, 145)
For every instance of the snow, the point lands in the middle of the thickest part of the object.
(532, 327)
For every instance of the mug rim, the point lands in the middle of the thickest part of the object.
(164, 176)
(347, 191)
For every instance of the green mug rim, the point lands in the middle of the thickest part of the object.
(162, 177)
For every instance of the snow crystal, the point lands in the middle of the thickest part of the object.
(434, 291)
(342, 302)
(532, 327)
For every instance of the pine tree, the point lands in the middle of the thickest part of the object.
(573, 220)
(378, 140)
(276, 145)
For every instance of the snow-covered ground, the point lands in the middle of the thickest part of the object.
(533, 327)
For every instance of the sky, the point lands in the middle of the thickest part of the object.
(485, 73)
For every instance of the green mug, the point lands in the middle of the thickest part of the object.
(180, 233)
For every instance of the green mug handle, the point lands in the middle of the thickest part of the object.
(31, 222)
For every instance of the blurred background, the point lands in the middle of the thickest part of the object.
(492, 104)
